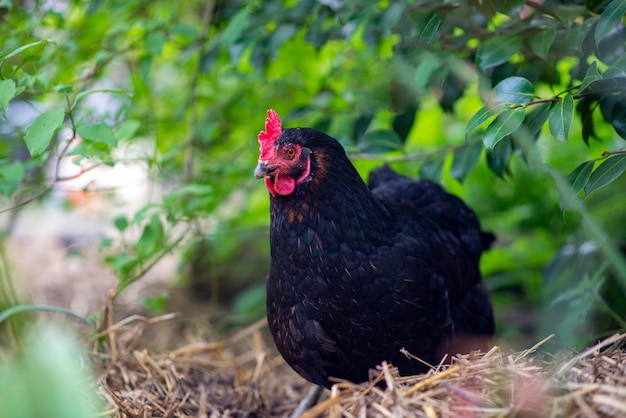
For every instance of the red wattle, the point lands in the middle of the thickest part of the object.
(284, 184)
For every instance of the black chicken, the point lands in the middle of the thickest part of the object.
(358, 274)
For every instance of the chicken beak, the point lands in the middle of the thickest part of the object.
(263, 169)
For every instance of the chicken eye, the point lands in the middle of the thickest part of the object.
(290, 153)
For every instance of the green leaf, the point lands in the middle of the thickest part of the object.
(497, 50)
(620, 63)
(361, 123)
(482, 116)
(505, 124)
(585, 111)
(612, 15)
(536, 118)
(583, 293)
(432, 168)
(235, 27)
(98, 132)
(403, 122)
(465, 159)
(121, 223)
(425, 70)
(323, 124)
(606, 172)
(24, 48)
(576, 35)
(185, 30)
(316, 34)
(514, 90)
(542, 42)
(154, 43)
(281, 35)
(127, 129)
(561, 117)
(152, 237)
(607, 85)
(614, 72)
(618, 118)
(428, 27)
(380, 141)
(123, 265)
(591, 75)
(498, 160)
(39, 134)
(250, 303)
(391, 16)
(7, 92)
(235, 51)
(156, 304)
(579, 177)
(10, 176)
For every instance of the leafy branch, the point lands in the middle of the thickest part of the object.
(46, 137)
(524, 138)
(557, 98)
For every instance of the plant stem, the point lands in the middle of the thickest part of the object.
(31, 307)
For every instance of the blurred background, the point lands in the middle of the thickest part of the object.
(128, 144)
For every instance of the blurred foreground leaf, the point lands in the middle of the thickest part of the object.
(48, 378)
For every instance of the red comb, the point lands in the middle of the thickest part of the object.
(268, 137)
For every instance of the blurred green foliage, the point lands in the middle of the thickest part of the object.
(517, 107)
(48, 378)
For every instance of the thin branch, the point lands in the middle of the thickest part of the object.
(539, 101)
(80, 173)
(32, 198)
(152, 263)
(91, 74)
(609, 153)
(556, 98)
(57, 178)
(541, 8)
(404, 158)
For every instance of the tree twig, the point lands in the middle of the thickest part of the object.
(404, 158)
(609, 153)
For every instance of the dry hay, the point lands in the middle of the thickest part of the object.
(494, 384)
(244, 377)
(235, 377)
